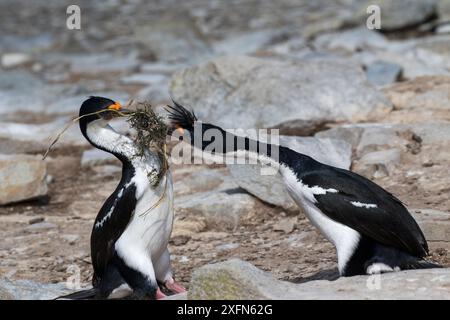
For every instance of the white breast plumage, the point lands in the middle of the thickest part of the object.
(343, 238)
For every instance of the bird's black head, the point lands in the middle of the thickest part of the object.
(185, 121)
(96, 108)
(99, 108)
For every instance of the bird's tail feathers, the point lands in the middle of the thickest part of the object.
(421, 264)
(79, 295)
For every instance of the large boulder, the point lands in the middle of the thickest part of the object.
(236, 279)
(246, 92)
(221, 210)
(270, 188)
(210, 196)
(23, 177)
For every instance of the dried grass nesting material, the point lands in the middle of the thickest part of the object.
(151, 134)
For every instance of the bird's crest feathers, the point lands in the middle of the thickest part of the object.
(180, 117)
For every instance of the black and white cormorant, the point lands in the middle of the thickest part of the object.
(370, 228)
(128, 245)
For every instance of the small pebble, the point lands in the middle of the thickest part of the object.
(36, 220)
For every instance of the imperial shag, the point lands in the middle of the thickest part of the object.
(128, 245)
(370, 228)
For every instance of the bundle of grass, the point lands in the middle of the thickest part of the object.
(151, 134)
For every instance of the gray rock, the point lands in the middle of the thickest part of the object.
(105, 62)
(286, 225)
(209, 198)
(294, 47)
(71, 238)
(30, 290)
(270, 188)
(155, 93)
(161, 67)
(415, 63)
(263, 94)
(245, 43)
(172, 39)
(199, 181)
(434, 51)
(369, 137)
(222, 211)
(20, 138)
(12, 60)
(378, 164)
(14, 43)
(434, 224)
(443, 28)
(143, 78)
(156, 90)
(41, 227)
(36, 220)
(96, 157)
(443, 9)
(352, 40)
(108, 170)
(383, 73)
(47, 98)
(72, 103)
(23, 178)
(178, 296)
(396, 15)
(326, 23)
(236, 279)
(227, 246)
(426, 93)
(12, 86)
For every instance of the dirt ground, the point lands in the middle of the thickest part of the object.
(50, 252)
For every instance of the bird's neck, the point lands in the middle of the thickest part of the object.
(214, 140)
(102, 136)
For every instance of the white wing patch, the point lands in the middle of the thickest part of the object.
(364, 205)
(319, 190)
(300, 189)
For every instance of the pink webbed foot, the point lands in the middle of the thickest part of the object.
(174, 287)
(159, 294)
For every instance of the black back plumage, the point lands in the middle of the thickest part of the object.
(389, 223)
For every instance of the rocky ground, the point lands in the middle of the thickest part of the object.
(377, 102)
